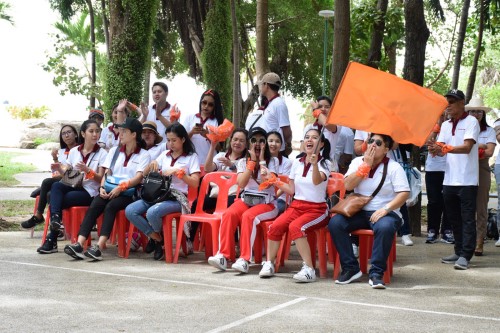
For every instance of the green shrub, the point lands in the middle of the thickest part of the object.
(28, 112)
(39, 141)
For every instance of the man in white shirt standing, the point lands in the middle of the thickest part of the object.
(458, 141)
(275, 116)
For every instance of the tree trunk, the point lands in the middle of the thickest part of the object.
(416, 36)
(105, 23)
(92, 57)
(236, 68)
(375, 52)
(473, 71)
(262, 39)
(341, 32)
(460, 44)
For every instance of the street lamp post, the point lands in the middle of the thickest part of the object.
(326, 14)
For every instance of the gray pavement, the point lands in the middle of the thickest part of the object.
(54, 292)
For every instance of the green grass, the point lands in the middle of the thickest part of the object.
(8, 169)
(13, 208)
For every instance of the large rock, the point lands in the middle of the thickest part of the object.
(44, 129)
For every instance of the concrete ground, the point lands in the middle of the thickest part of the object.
(55, 292)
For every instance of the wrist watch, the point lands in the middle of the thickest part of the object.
(387, 209)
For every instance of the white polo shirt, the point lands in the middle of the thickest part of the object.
(487, 136)
(127, 166)
(302, 178)
(395, 182)
(436, 163)
(159, 126)
(201, 144)
(275, 117)
(94, 161)
(190, 164)
(109, 138)
(461, 169)
(331, 137)
(156, 150)
(253, 185)
(345, 143)
(62, 155)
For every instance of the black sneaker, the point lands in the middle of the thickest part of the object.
(49, 246)
(348, 277)
(32, 222)
(55, 222)
(94, 252)
(159, 252)
(376, 282)
(74, 250)
(150, 247)
(60, 233)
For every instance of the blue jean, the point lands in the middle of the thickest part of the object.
(460, 205)
(340, 227)
(154, 214)
(64, 196)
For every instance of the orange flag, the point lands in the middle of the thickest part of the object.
(379, 102)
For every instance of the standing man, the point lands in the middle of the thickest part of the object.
(158, 112)
(275, 116)
(458, 141)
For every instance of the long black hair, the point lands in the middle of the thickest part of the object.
(278, 134)
(218, 111)
(61, 141)
(325, 151)
(84, 127)
(180, 131)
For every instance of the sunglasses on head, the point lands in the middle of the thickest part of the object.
(210, 104)
(254, 140)
(377, 142)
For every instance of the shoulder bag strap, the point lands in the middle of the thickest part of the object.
(115, 156)
(256, 120)
(382, 181)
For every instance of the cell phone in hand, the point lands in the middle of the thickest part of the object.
(198, 125)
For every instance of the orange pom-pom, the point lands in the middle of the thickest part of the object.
(181, 173)
(221, 132)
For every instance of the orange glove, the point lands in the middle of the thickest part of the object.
(445, 148)
(175, 114)
(272, 180)
(90, 174)
(181, 173)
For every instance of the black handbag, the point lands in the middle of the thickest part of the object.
(156, 188)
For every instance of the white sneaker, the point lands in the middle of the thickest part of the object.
(241, 265)
(406, 240)
(306, 274)
(218, 261)
(267, 269)
(498, 243)
(355, 249)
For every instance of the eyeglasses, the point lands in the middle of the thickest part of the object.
(254, 140)
(66, 133)
(209, 104)
(476, 111)
(377, 142)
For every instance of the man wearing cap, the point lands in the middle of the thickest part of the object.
(97, 115)
(153, 140)
(160, 111)
(275, 116)
(457, 140)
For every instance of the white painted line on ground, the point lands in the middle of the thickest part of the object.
(397, 308)
(257, 315)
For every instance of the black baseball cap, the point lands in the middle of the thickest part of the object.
(255, 130)
(133, 125)
(458, 94)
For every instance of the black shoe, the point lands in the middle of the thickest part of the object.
(60, 233)
(55, 222)
(32, 222)
(159, 252)
(94, 252)
(348, 277)
(376, 282)
(150, 247)
(74, 250)
(36, 193)
(49, 246)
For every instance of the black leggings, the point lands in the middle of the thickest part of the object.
(44, 193)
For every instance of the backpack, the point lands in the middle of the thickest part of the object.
(156, 188)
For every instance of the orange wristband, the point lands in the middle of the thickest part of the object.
(90, 174)
(363, 170)
(251, 165)
(316, 113)
(181, 173)
(124, 185)
(445, 148)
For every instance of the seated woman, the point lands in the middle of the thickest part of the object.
(275, 141)
(251, 172)
(68, 138)
(381, 214)
(126, 162)
(154, 141)
(110, 134)
(308, 211)
(223, 161)
(180, 162)
(88, 158)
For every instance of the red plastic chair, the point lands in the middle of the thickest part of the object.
(224, 180)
